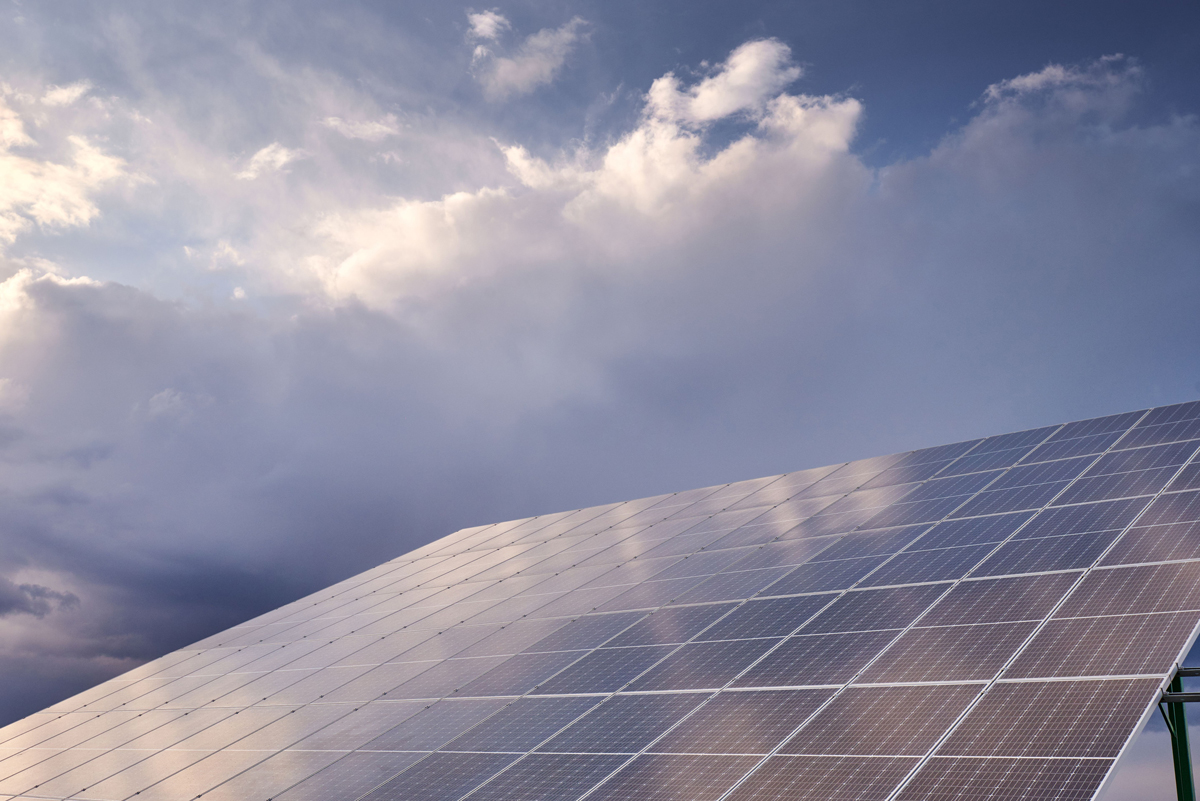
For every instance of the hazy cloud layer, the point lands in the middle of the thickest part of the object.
(232, 372)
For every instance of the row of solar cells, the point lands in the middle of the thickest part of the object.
(574, 743)
(938, 645)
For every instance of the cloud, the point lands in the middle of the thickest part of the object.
(66, 95)
(272, 158)
(487, 25)
(32, 599)
(536, 62)
(50, 193)
(681, 304)
(753, 74)
(368, 130)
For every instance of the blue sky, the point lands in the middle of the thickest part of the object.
(287, 289)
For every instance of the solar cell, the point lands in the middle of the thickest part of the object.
(624, 723)
(840, 778)
(926, 625)
(898, 721)
(959, 779)
(549, 777)
(949, 653)
(674, 777)
(742, 722)
(1052, 719)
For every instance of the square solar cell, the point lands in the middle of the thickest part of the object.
(743, 722)
(296, 725)
(1157, 435)
(902, 514)
(586, 632)
(1177, 507)
(912, 567)
(703, 665)
(773, 617)
(651, 594)
(378, 682)
(905, 473)
(360, 726)
(1079, 446)
(876, 609)
(72, 783)
(1017, 439)
(605, 670)
(515, 637)
(974, 530)
(1119, 485)
(520, 674)
(986, 460)
(1188, 479)
(549, 777)
(1001, 600)
(973, 779)
(824, 576)
(441, 777)
(1052, 719)
(1097, 646)
(674, 777)
(435, 726)
(272, 776)
(1011, 499)
(840, 778)
(149, 771)
(1046, 554)
(817, 659)
(904, 721)
(881, 542)
(705, 563)
(1125, 461)
(1156, 544)
(673, 625)
(779, 554)
(750, 535)
(446, 677)
(1131, 590)
(734, 585)
(883, 720)
(202, 776)
(949, 653)
(522, 725)
(624, 723)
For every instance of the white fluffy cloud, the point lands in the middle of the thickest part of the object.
(534, 63)
(755, 73)
(487, 25)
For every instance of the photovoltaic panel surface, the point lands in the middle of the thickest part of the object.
(991, 619)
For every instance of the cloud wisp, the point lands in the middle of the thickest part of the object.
(535, 62)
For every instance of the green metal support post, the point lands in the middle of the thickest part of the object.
(1185, 787)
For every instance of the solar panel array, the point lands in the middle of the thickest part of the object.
(992, 619)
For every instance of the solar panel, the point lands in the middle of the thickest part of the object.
(992, 619)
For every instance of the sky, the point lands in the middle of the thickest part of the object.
(288, 289)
